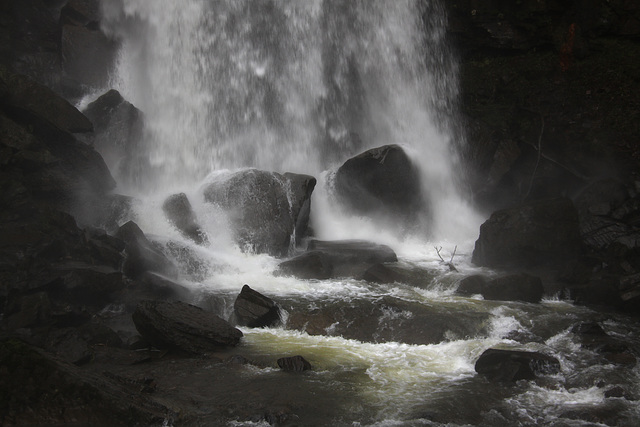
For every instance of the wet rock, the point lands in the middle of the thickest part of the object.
(141, 255)
(255, 310)
(118, 136)
(517, 287)
(88, 399)
(180, 213)
(265, 208)
(514, 287)
(294, 364)
(381, 273)
(88, 56)
(594, 337)
(25, 97)
(540, 233)
(386, 319)
(382, 183)
(340, 258)
(177, 325)
(472, 285)
(511, 365)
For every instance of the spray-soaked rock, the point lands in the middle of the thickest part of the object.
(340, 258)
(118, 133)
(540, 233)
(512, 365)
(266, 209)
(141, 255)
(255, 310)
(179, 211)
(177, 325)
(382, 183)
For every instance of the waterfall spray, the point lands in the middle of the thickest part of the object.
(291, 86)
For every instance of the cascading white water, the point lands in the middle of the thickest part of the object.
(300, 86)
(297, 86)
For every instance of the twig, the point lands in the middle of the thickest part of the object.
(450, 263)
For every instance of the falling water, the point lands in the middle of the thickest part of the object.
(301, 86)
(295, 86)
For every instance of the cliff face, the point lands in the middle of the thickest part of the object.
(548, 94)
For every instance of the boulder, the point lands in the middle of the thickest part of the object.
(472, 285)
(593, 337)
(141, 255)
(382, 183)
(515, 287)
(118, 135)
(88, 56)
(255, 310)
(386, 319)
(26, 97)
(266, 209)
(294, 364)
(542, 233)
(179, 212)
(340, 258)
(512, 365)
(181, 326)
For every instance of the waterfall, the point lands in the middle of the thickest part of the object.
(297, 86)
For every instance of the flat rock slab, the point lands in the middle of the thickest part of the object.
(177, 325)
(255, 310)
(340, 258)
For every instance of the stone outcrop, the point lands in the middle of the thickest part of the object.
(267, 210)
(383, 184)
(181, 326)
(255, 310)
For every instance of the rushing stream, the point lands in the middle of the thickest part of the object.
(301, 86)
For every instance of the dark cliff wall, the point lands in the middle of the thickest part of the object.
(549, 94)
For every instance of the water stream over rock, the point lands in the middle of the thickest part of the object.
(261, 88)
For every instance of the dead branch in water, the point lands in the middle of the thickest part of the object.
(450, 263)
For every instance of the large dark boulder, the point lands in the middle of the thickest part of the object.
(542, 233)
(179, 212)
(118, 135)
(255, 310)
(512, 365)
(382, 183)
(142, 256)
(340, 258)
(181, 326)
(88, 56)
(25, 97)
(266, 209)
(516, 287)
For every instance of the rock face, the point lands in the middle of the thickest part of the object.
(184, 327)
(179, 211)
(118, 136)
(255, 310)
(332, 259)
(510, 365)
(382, 183)
(540, 233)
(267, 210)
